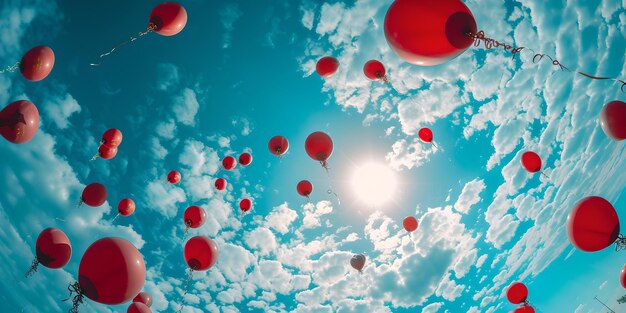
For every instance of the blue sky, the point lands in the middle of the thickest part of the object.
(243, 71)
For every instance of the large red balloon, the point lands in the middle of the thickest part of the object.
(327, 66)
(174, 177)
(95, 194)
(593, 224)
(112, 137)
(220, 183)
(245, 159)
(374, 70)
(143, 297)
(112, 271)
(531, 161)
(169, 18)
(613, 120)
(517, 293)
(37, 63)
(278, 145)
(194, 216)
(319, 146)
(107, 152)
(358, 262)
(245, 205)
(304, 188)
(138, 307)
(53, 248)
(425, 134)
(410, 223)
(229, 163)
(622, 277)
(200, 253)
(19, 121)
(426, 32)
(524, 309)
(126, 207)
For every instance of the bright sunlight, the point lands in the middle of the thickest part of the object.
(374, 183)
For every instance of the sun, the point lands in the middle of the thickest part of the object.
(374, 184)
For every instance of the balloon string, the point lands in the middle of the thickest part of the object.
(490, 43)
(435, 145)
(77, 299)
(115, 218)
(330, 186)
(80, 202)
(151, 28)
(33, 268)
(620, 243)
(186, 290)
(10, 69)
(545, 175)
(187, 225)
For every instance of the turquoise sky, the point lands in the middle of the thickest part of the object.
(243, 71)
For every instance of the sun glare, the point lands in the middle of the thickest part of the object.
(374, 184)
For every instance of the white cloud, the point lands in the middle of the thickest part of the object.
(313, 213)
(470, 195)
(229, 15)
(164, 198)
(280, 218)
(432, 308)
(186, 107)
(59, 109)
(261, 239)
(199, 158)
(168, 76)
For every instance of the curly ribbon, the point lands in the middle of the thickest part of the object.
(10, 69)
(77, 299)
(33, 268)
(490, 43)
(151, 27)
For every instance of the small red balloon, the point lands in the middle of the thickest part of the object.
(220, 183)
(410, 223)
(374, 70)
(319, 146)
(278, 145)
(37, 63)
(138, 307)
(524, 309)
(517, 293)
(126, 207)
(622, 277)
(194, 216)
(327, 66)
(358, 262)
(94, 195)
(531, 162)
(174, 177)
(19, 121)
(107, 152)
(144, 297)
(169, 18)
(245, 205)
(425, 134)
(613, 120)
(229, 163)
(245, 159)
(53, 248)
(304, 188)
(593, 224)
(200, 253)
(112, 137)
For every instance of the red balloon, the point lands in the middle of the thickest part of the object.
(410, 223)
(112, 271)
(517, 293)
(220, 184)
(169, 18)
(358, 262)
(107, 152)
(593, 224)
(19, 121)
(531, 161)
(524, 309)
(194, 216)
(200, 253)
(37, 63)
(126, 207)
(319, 146)
(425, 134)
(327, 66)
(245, 159)
(53, 248)
(374, 70)
(229, 163)
(138, 307)
(94, 195)
(174, 177)
(278, 145)
(245, 205)
(143, 297)
(426, 32)
(304, 188)
(613, 120)
(112, 137)
(622, 277)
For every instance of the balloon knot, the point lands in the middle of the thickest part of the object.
(620, 243)
(77, 299)
(33, 268)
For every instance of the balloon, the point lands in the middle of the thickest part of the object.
(245, 205)
(112, 137)
(144, 297)
(593, 224)
(94, 195)
(304, 188)
(37, 63)
(19, 121)
(174, 177)
(327, 66)
(112, 271)
(169, 18)
(138, 307)
(613, 120)
(245, 159)
(622, 277)
(524, 309)
(229, 163)
(200, 253)
(358, 262)
(107, 152)
(278, 145)
(53, 248)
(194, 216)
(531, 162)
(220, 184)
(374, 70)
(426, 32)
(319, 146)
(126, 207)
(410, 223)
(517, 293)
(425, 134)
